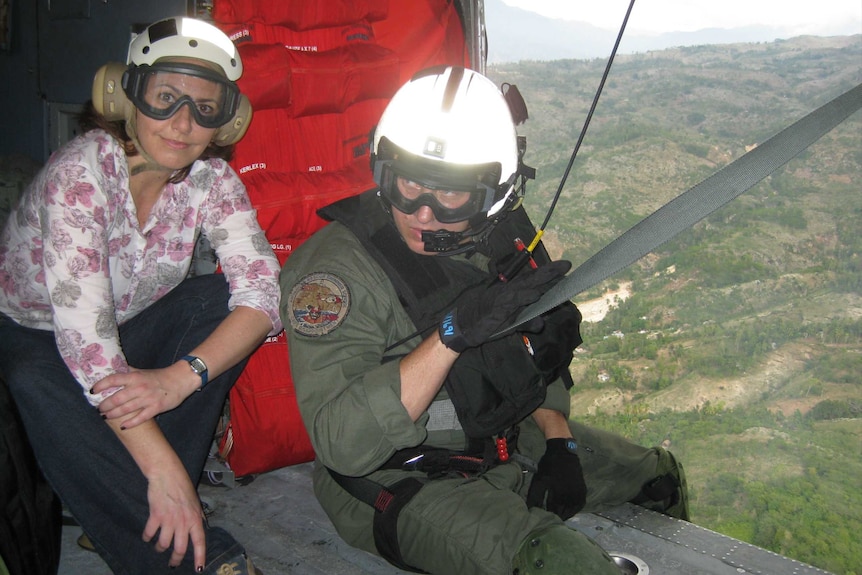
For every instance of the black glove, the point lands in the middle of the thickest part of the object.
(482, 310)
(559, 485)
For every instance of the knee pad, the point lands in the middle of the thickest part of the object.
(560, 550)
(668, 492)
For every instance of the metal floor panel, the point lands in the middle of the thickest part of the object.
(661, 545)
(279, 521)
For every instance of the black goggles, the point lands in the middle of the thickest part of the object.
(448, 204)
(453, 194)
(160, 90)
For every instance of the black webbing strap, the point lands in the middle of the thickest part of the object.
(698, 202)
(387, 503)
(363, 489)
(386, 521)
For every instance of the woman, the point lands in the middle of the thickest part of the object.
(105, 340)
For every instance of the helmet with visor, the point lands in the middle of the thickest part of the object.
(447, 141)
(173, 63)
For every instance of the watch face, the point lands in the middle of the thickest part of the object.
(198, 365)
(571, 445)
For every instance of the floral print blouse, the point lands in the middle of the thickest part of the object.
(74, 259)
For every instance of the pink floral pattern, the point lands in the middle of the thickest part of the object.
(74, 259)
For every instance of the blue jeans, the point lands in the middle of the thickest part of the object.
(82, 457)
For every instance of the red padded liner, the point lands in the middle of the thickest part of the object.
(300, 14)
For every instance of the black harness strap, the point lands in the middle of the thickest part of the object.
(439, 462)
(387, 503)
(386, 522)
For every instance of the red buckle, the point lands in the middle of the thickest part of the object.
(502, 449)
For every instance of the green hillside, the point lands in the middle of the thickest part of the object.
(740, 344)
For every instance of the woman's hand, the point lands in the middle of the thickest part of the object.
(175, 516)
(175, 510)
(142, 394)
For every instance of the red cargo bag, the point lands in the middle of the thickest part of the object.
(265, 431)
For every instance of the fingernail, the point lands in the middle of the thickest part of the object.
(104, 416)
(122, 428)
(200, 569)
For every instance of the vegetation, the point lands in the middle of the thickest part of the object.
(741, 341)
(788, 484)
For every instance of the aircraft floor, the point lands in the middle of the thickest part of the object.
(276, 517)
(286, 532)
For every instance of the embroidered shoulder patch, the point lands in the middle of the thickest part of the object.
(318, 304)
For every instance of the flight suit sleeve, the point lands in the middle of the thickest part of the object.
(340, 314)
(558, 398)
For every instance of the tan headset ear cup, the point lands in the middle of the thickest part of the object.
(233, 131)
(109, 98)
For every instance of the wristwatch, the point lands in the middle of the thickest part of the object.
(199, 367)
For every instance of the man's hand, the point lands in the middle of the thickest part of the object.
(559, 485)
(482, 310)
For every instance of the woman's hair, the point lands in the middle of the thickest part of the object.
(90, 119)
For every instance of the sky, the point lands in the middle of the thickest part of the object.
(802, 17)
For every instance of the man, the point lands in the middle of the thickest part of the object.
(442, 445)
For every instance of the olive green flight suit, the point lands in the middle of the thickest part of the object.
(341, 313)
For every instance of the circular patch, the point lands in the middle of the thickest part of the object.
(318, 304)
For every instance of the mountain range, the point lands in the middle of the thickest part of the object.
(515, 34)
(737, 344)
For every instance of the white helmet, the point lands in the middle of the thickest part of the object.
(185, 38)
(447, 128)
(165, 47)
